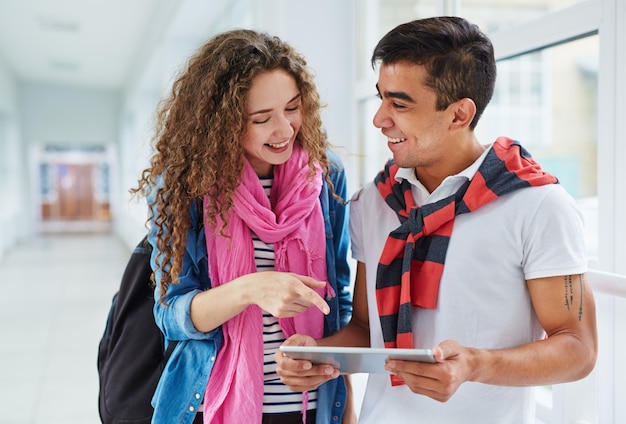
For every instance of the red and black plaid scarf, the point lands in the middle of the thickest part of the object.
(412, 260)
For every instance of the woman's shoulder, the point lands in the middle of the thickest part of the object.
(335, 163)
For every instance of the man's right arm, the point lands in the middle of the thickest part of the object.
(357, 332)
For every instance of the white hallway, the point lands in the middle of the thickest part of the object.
(55, 292)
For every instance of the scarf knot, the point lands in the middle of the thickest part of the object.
(412, 260)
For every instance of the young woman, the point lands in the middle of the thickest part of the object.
(249, 234)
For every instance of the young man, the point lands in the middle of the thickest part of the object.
(469, 249)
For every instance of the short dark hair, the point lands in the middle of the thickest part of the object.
(457, 55)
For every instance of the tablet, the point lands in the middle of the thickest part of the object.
(356, 359)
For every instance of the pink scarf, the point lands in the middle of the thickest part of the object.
(295, 225)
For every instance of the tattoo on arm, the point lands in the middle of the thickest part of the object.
(580, 308)
(568, 291)
(569, 294)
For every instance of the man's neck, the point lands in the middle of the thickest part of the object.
(431, 177)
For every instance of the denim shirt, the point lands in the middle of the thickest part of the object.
(181, 388)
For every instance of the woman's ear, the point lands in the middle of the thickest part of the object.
(464, 112)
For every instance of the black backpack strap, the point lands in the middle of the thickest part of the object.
(131, 356)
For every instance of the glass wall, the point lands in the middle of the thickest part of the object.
(547, 100)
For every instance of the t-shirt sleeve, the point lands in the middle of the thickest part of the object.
(555, 241)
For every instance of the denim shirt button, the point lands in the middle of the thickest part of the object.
(337, 404)
(191, 409)
(212, 358)
(335, 418)
(198, 396)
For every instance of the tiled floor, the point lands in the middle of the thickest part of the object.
(55, 292)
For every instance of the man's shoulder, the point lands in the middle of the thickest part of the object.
(540, 195)
(368, 207)
(366, 193)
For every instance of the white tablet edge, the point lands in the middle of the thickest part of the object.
(356, 359)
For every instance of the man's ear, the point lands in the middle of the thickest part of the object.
(464, 112)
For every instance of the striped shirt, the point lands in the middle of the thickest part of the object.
(277, 398)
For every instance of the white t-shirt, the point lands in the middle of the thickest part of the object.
(483, 299)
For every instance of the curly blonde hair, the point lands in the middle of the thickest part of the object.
(198, 147)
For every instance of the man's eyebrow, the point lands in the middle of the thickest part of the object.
(258, 112)
(401, 95)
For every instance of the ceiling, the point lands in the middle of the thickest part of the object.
(87, 43)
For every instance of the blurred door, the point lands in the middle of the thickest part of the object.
(73, 189)
(74, 185)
